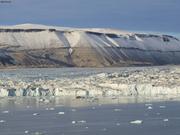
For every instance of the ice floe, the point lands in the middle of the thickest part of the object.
(117, 110)
(61, 113)
(2, 121)
(35, 114)
(5, 112)
(73, 122)
(38, 133)
(165, 120)
(51, 109)
(73, 110)
(162, 107)
(81, 121)
(26, 132)
(150, 108)
(136, 122)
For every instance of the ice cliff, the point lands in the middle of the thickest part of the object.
(150, 82)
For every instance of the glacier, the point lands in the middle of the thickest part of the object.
(137, 82)
(32, 45)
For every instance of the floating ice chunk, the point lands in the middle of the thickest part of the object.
(26, 132)
(61, 113)
(118, 124)
(148, 104)
(117, 110)
(136, 122)
(166, 120)
(158, 113)
(73, 122)
(162, 107)
(44, 100)
(5, 112)
(35, 114)
(150, 108)
(2, 121)
(86, 127)
(52, 109)
(73, 110)
(37, 133)
(104, 129)
(82, 121)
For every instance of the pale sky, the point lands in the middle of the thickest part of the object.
(140, 15)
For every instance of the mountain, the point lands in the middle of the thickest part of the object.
(30, 45)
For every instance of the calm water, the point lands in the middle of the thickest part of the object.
(67, 116)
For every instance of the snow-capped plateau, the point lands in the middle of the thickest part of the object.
(49, 46)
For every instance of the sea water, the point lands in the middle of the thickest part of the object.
(107, 116)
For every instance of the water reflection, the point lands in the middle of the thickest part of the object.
(68, 101)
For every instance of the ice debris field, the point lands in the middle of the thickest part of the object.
(147, 81)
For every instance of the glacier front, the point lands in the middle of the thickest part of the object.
(141, 82)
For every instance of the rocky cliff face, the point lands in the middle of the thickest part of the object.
(46, 46)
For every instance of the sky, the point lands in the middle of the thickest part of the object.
(135, 15)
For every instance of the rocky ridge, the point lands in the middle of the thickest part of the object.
(30, 45)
